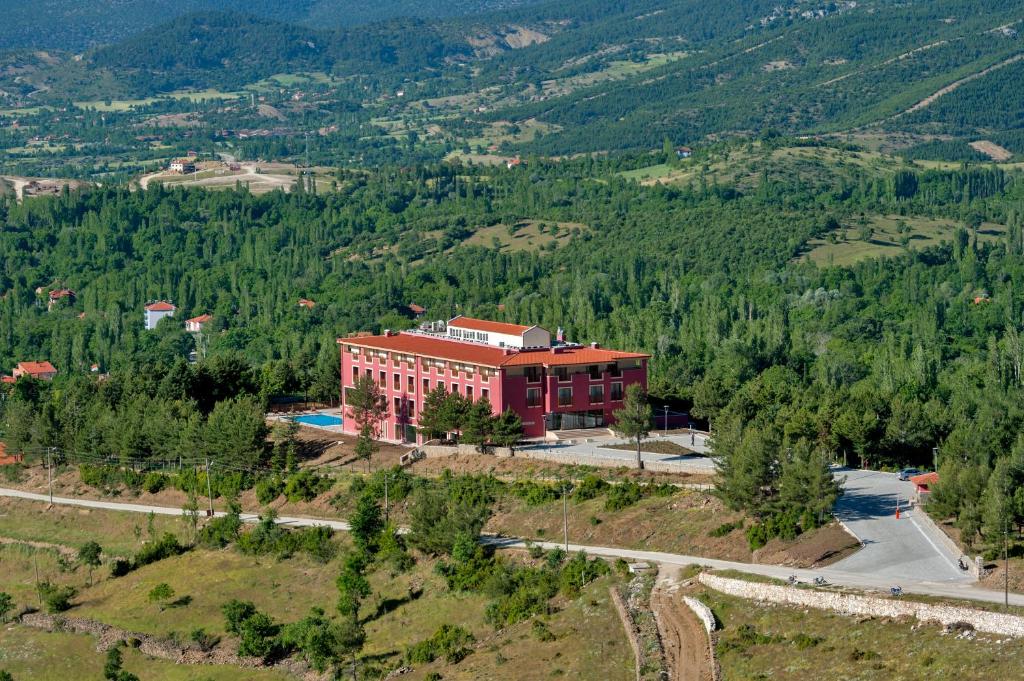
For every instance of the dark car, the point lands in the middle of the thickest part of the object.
(908, 473)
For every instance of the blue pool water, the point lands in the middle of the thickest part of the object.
(318, 420)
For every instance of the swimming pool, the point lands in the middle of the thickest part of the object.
(319, 420)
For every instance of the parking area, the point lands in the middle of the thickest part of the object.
(602, 450)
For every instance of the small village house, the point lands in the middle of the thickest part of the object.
(306, 303)
(197, 324)
(157, 311)
(58, 295)
(923, 485)
(43, 371)
(183, 166)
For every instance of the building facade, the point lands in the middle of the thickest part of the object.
(157, 311)
(551, 385)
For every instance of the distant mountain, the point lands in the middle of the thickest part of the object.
(76, 25)
(231, 50)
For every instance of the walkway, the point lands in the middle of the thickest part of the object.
(834, 574)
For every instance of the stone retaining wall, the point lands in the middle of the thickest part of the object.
(706, 617)
(609, 462)
(920, 516)
(438, 451)
(107, 636)
(872, 606)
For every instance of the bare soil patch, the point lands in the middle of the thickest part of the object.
(816, 549)
(656, 447)
(992, 150)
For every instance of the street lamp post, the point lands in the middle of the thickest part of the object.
(935, 458)
(666, 420)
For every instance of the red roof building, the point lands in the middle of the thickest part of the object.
(923, 485)
(557, 386)
(43, 371)
(417, 310)
(196, 324)
(157, 311)
(306, 303)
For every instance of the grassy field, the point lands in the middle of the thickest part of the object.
(35, 655)
(284, 589)
(119, 533)
(589, 643)
(807, 645)
(21, 565)
(849, 248)
(126, 104)
(526, 237)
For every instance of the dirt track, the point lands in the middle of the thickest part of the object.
(682, 634)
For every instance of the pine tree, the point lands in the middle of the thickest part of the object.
(634, 419)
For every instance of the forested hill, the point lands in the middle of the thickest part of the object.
(76, 25)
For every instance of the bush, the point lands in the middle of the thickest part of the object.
(535, 494)
(204, 640)
(55, 598)
(154, 482)
(726, 528)
(449, 641)
(165, 547)
(235, 612)
(221, 531)
(590, 487)
(541, 632)
(306, 486)
(257, 636)
(120, 567)
(623, 496)
(269, 489)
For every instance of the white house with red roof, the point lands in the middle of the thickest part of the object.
(43, 371)
(196, 324)
(552, 386)
(157, 311)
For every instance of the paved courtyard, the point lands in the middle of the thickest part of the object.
(898, 549)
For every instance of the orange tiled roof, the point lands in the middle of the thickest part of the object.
(488, 325)
(201, 319)
(487, 355)
(36, 368)
(925, 479)
(161, 306)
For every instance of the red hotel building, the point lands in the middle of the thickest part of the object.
(552, 386)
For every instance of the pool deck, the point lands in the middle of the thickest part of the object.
(334, 428)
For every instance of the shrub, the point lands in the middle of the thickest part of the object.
(803, 641)
(623, 496)
(726, 528)
(449, 641)
(165, 547)
(534, 494)
(120, 567)
(589, 488)
(235, 612)
(204, 640)
(269, 489)
(6, 605)
(554, 558)
(257, 636)
(541, 632)
(306, 486)
(55, 598)
(154, 482)
(221, 531)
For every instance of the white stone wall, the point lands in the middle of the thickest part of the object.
(702, 611)
(873, 606)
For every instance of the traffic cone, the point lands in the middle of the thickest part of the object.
(897, 512)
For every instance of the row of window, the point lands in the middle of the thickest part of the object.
(533, 374)
(533, 395)
(410, 384)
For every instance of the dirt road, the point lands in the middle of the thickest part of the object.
(682, 634)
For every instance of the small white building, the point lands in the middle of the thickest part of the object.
(185, 166)
(157, 311)
(499, 334)
(196, 324)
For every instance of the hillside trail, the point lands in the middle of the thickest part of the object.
(682, 634)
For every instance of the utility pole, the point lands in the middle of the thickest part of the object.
(386, 517)
(49, 472)
(209, 489)
(565, 517)
(1006, 554)
(935, 458)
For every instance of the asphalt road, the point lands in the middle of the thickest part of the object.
(835, 575)
(899, 550)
